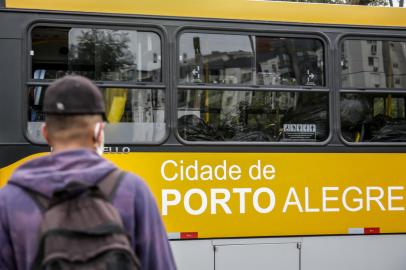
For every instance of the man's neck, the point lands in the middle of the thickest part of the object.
(71, 147)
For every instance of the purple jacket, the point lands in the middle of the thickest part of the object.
(20, 217)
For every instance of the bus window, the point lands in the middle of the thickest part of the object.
(122, 58)
(215, 58)
(373, 117)
(252, 116)
(244, 59)
(99, 54)
(289, 61)
(243, 115)
(134, 115)
(373, 64)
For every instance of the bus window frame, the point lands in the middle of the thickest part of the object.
(338, 69)
(164, 85)
(326, 88)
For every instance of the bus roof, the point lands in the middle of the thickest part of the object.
(253, 10)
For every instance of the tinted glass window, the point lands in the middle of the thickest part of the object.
(99, 54)
(134, 115)
(373, 64)
(289, 61)
(373, 117)
(248, 116)
(215, 58)
(244, 59)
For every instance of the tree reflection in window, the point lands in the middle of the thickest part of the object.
(99, 54)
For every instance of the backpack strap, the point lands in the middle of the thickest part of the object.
(110, 183)
(42, 201)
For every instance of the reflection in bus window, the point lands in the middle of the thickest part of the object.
(99, 54)
(243, 59)
(134, 115)
(215, 58)
(373, 64)
(373, 117)
(252, 116)
(289, 61)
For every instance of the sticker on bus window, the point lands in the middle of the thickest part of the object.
(311, 78)
(299, 132)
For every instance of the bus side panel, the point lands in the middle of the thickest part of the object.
(13, 25)
(11, 86)
(193, 254)
(374, 252)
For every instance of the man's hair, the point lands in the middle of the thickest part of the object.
(71, 128)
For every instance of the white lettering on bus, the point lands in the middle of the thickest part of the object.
(163, 170)
(194, 171)
(263, 200)
(359, 201)
(219, 201)
(327, 198)
(394, 198)
(242, 192)
(256, 172)
(235, 172)
(255, 200)
(166, 202)
(215, 200)
(207, 173)
(292, 192)
(307, 203)
(203, 197)
(376, 199)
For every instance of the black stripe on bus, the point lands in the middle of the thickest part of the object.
(10, 154)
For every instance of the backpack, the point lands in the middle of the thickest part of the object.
(81, 230)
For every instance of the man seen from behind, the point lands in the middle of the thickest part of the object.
(74, 129)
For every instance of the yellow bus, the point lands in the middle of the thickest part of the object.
(272, 134)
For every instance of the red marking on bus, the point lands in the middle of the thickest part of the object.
(188, 235)
(373, 230)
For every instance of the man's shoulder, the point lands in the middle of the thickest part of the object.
(133, 186)
(134, 181)
(9, 191)
(13, 198)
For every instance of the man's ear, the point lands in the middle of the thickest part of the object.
(44, 131)
(98, 132)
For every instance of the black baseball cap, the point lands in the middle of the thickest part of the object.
(73, 95)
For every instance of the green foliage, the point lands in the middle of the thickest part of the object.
(101, 51)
